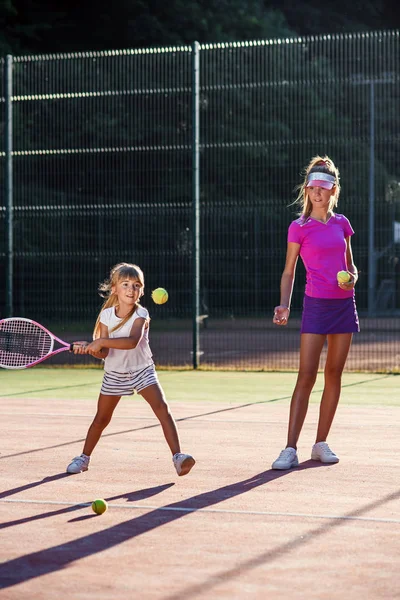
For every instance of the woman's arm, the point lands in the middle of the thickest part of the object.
(281, 312)
(350, 266)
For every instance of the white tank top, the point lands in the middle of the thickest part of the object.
(123, 361)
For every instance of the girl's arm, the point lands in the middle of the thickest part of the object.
(97, 352)
(281, 312)
(104, 342)
(84, 347)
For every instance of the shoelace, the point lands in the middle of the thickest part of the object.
(325, 448)
(285, 452)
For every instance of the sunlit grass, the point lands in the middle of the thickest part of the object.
(198, 386)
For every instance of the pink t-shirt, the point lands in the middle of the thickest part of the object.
(323, 252)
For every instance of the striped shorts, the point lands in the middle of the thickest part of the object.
(125, 384)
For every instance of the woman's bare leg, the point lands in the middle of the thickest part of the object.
(338, 350)
(311, 345)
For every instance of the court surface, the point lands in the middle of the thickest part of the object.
(232, 528)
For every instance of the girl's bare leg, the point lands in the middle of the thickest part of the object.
(311, 345)
(338, 349)
(105, 409)
(154, 395)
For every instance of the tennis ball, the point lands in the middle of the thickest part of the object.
(343, 277)
(160, 296)
(99, 506)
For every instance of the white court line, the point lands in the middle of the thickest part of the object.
(90, 415)
(154, 420)
(208, 510)
(129, 418)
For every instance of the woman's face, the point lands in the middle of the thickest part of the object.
(320, 197)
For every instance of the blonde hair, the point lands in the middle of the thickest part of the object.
(118, 273)
(318, 164)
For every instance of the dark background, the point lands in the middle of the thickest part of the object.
(102, 160)
(29, 26)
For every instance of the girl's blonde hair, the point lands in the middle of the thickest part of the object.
(118, 273)
(318, 164)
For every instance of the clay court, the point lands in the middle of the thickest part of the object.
(232, 528)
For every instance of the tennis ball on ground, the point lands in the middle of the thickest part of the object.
(99, 506)
(159, 296)
(343, 277)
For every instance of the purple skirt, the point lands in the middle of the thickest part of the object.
(325, 315)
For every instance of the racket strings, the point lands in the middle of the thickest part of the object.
(22, 343)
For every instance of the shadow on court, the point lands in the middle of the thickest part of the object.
(278, 551)
(36, 564)
(135, 496)
(31, 485)
(189, 418)
(143, 428)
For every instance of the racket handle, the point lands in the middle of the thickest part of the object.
(77, 345)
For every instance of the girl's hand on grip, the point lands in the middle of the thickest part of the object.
(80, 347)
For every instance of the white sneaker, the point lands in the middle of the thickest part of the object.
(183, 463)
(286, 460)
(322, 452)
(79, 464)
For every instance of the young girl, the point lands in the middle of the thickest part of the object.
(322, 239)
(121, 337)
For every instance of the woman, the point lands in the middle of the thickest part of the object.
(321, 238)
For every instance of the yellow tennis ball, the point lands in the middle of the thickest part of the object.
(160, 296)
(343, 277)
(99, 506)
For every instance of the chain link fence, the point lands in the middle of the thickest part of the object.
(100, 166)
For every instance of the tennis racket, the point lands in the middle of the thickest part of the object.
(25, 343)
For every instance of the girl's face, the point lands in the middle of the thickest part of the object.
(320, 197)
(128, 291)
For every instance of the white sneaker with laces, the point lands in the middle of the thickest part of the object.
(183, 463)
(323, 453)
(79, 464)
(286, 460)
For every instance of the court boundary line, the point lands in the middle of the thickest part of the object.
(193, 417)
(199, 420)
(377, 377)
(183, 509)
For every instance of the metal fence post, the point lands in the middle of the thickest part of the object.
(371, 206)
(8, 176)
(196, 201)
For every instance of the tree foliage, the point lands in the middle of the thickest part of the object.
(256, 109)
(36, 26)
